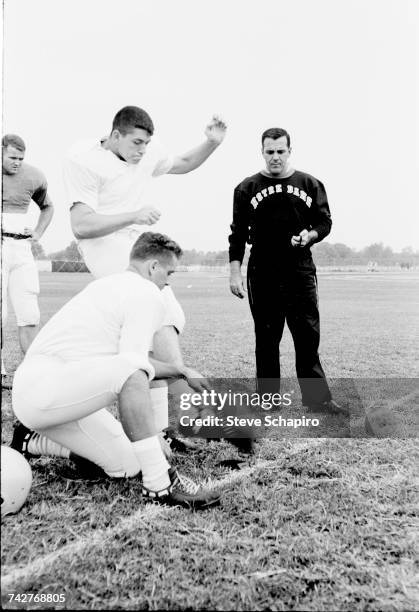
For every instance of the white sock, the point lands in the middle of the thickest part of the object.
(41, 445)
(160, 406)
(153, 463)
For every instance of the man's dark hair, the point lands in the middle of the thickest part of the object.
(276, 133)
(152, 245)
(14, 141)
(131, 117)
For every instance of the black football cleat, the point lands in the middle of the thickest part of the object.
(20, 440)
(183, 492)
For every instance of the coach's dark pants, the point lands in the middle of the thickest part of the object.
(287, 295)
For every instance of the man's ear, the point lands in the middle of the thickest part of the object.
(153, 265)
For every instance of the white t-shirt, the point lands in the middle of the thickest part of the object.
(97, 177)
(118, 314)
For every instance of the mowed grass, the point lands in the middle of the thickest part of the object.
(306, 524)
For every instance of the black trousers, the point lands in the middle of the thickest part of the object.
(290, 295)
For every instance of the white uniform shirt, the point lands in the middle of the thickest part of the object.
(118, 314)
(97, 177)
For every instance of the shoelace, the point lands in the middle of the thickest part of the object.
(188, 484)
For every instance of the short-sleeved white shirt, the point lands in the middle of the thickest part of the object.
(118, 314)
(97, 177)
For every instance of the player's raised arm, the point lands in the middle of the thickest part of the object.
(215, 133)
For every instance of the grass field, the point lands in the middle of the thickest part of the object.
(320, 523)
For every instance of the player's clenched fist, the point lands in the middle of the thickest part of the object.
(147, 215)
(216, 130)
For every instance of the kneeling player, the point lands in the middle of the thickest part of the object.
(94, 351)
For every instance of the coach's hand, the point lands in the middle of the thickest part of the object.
(237, 285)
(216, 130)
(195, 380)
(148, 215)
(301, 240)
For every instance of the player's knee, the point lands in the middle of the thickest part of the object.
(138, 380)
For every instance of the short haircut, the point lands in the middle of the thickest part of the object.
(131, 117)
(14, 141)
(276, 133)
(152, 245)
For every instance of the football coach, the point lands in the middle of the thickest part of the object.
(281, 212)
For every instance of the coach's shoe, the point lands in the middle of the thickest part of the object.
(243, 445)
(329, 406)
(184, 492)
(246, 446)
(20, 440)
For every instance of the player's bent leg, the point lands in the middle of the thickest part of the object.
(119, 449)
(99, 438)
(49, 391)
(65, 393)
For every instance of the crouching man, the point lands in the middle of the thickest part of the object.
(93, 352)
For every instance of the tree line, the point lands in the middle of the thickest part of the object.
(324, 254)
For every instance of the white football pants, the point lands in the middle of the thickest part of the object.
(20, 282)
(67, 402)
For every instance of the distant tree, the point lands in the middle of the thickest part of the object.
(70, 253)
(324, 253)
(408, 251)
(342, 251)
(377, 252)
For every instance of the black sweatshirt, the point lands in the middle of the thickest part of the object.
(267, 211)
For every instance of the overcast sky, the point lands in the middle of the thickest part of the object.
(338, 75)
